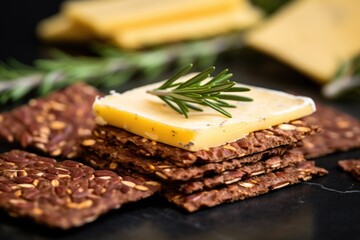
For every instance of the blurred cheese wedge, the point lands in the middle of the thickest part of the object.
(59, 28)
(108, 16)
(146, 115)
(186, 29)
(314, 36)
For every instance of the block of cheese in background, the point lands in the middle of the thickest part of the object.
(133, 24)
(107, 16)
(193, 28)
(146, 115)
(59, 28)
(314, 36)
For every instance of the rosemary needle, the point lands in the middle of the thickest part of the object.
(200, 90)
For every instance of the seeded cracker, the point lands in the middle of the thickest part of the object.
(352, 166)
(172, 178)
(340, 132)
(53, 124)
(254, 142)
(241, 190)
(290, 158)
(63, 194)
(103, 153)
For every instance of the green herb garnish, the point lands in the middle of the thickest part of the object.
(201, 90)
(346, 82)
(110, 68)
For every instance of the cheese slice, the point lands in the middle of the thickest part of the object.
(146, 115)
(59, 28)
(192, 28)
(107, 16)
(314, 36)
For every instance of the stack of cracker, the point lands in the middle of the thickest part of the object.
(256, 164)
(260, 161)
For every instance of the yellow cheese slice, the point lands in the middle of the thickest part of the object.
(59, 28)
(314, 36)
(108, 16)
(211, 25)
(146, 115)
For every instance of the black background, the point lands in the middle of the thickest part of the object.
(326, 208)
(18, 19)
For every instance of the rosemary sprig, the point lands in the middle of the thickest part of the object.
(201, 90)
(110, 68)
(346, 82)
